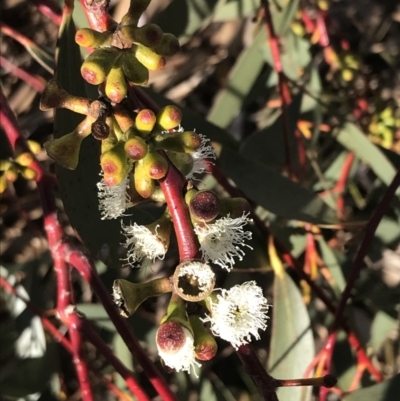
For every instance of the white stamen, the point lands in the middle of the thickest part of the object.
(113, 200)
(205, 151)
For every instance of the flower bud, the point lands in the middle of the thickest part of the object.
(134, 71)
(98, 64)
(123, 117)
(116, 85)
(182, 161)
(129, 296)
(234, 207)
(149, 35)
(135, 147)
(136, 9)
(143, 183)
(155, 165)
(204, 206)
(28, 173)
(54, 96)
(145, 121)
(65, 150)
(149, 58)
(5, 165)
(11, 174)
(114, 164)
(87, 37)
(24, 159)
(169, 117)
(193, 280)
(205, 346)
(170, 337)
(169, 45)
(34, 146)
(187, 141)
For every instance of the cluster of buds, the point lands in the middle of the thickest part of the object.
(126, 54)
(11, 169)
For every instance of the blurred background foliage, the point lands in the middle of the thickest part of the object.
(341, 64)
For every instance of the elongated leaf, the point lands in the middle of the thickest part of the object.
(232, 9)
(352, 138)
(292, 344)
(382, 325)
(274, 192)
(242, 77)
(389, 390)
(283, 18)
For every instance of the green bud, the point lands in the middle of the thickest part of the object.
(205, 346)
(234, 207)
(143, 183)
(145, 121)
(24, 159)
(114, 165)
(149, 58)
(155, 165)
(169, 45)
(28, 173)
(97, 65)
(87, 37)
(149, 35)
(65, 150)
(116, 85)
(169, 117)
(129, 296)
(187, 141)
(182, 161)
(136, 9)
(134, 71)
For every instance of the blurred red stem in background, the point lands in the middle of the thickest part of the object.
(50, 9)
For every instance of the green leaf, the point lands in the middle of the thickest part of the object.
(184, 17)
(283, 17)
(123, 354)
(42, 56)
(98, 315)
(388, 390)
(352, 138)
(267, 146)
(242, 77)
(274, 192)
(292, 343)
(232, 9)
(382, 326)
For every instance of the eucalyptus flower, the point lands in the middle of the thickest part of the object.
(238, 313)
(200, 156)
(222, 241)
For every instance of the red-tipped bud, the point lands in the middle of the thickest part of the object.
(205, 346)
(145, 121)
(149, 35)
(114, 165)
(155, 165)
(116, 85)
(24, 159)
(97, 65)
(169, 45)
(144, 185)
(87, 37)
(204, 206)
(134, 71)
(135, 148)
(28, 173)
(169, 117)
(149, 58)
(34, 146)
(181, 142)
(170, 337)
(11, 174)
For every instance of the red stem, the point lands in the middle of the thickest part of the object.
(96, 12)
(50, 9)
(36, 82)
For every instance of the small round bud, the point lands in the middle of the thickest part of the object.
(28, 173)
(149, 58)
(204, 206)
(134, 71)
(11, 174)
(205, 346)
(155, 165)
(34, 147)
(145, 121)
(24, 159)
(170, 337)
(187, 141)
(136, 148)
(149, 35)
(114, 161)
(97, 65)
(169, 117)
(169, 45)
(347, 74)
(87, 37)
(193, 280)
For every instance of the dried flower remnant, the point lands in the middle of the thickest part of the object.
(200, 156)
(221, 241)
(238, 313)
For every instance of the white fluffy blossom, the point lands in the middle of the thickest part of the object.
(205, 151)
(143, 243)
(113, 200)
(184, 358)
(238, 314)
(222, 241)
